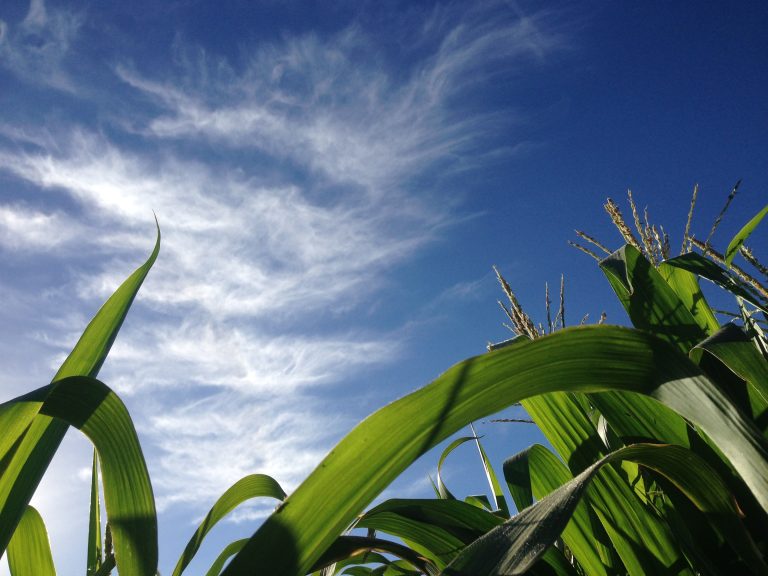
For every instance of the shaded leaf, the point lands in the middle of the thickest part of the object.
(515, 546)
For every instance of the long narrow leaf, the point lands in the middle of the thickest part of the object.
(548, 474)
(442, 489)
(586, 359)
(351, 546)
(92, 407)
(500, 502)
(229, 550)
(26, 466)
(251, 486)
(705, 268)
(29, 553)
(438, 529)
(734, 349)
(626, 527)
(743, 234)
(93, 556)
(516, 545)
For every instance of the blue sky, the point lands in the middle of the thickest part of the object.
(334, 181)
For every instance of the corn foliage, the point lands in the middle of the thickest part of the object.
(660, 434)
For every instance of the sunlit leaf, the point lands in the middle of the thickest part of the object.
(251, 486)
(585, 359)
(743, 234)
(41, 436)
(29, 552)
(92, 407)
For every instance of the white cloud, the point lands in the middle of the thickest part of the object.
(37, 47)
(25, 229)
(226, 365)
(314, 102)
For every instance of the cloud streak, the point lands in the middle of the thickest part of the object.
(36, 48)
(285, 189)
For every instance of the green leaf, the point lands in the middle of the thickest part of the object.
(650, 302)
(584, 359)
(733, 348)
(29, 552)
(251, 486)
(626, 527)
(516, 545)
(441, 487)
(438, 529)
(93, 556)
(548, 474)
(517, 474)
(743, 234)
(686, 286)
(500, 502)
(704, 267)
(229, 550)
(40, 437)
(92, 407)
(346, 547)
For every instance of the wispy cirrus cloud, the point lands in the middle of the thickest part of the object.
(36, 48)
(284, 186)
(29, 230)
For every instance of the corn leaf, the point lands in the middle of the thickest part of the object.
(626, 527)
(346, 547)
(92, 407)
(650, 302)
(438, 529)
(442, 489)
(517, 474)
(698, 264)
(515, 546)
(93, 555)
(41, 436)
(499, 501)
(548, 473)
(742, 235)
(686, 286)
(251, 486)
(229, 550)
(584, 359)
(733, 348)
(29, 553)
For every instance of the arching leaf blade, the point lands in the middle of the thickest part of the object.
(586, 359)
(248, 487)
(31, 458)
(515, 546)
(98, 412)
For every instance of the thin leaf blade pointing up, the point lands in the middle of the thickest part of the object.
(40, 440)
(743, 234)
(29, 553)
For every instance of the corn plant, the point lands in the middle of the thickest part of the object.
(701, 469)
